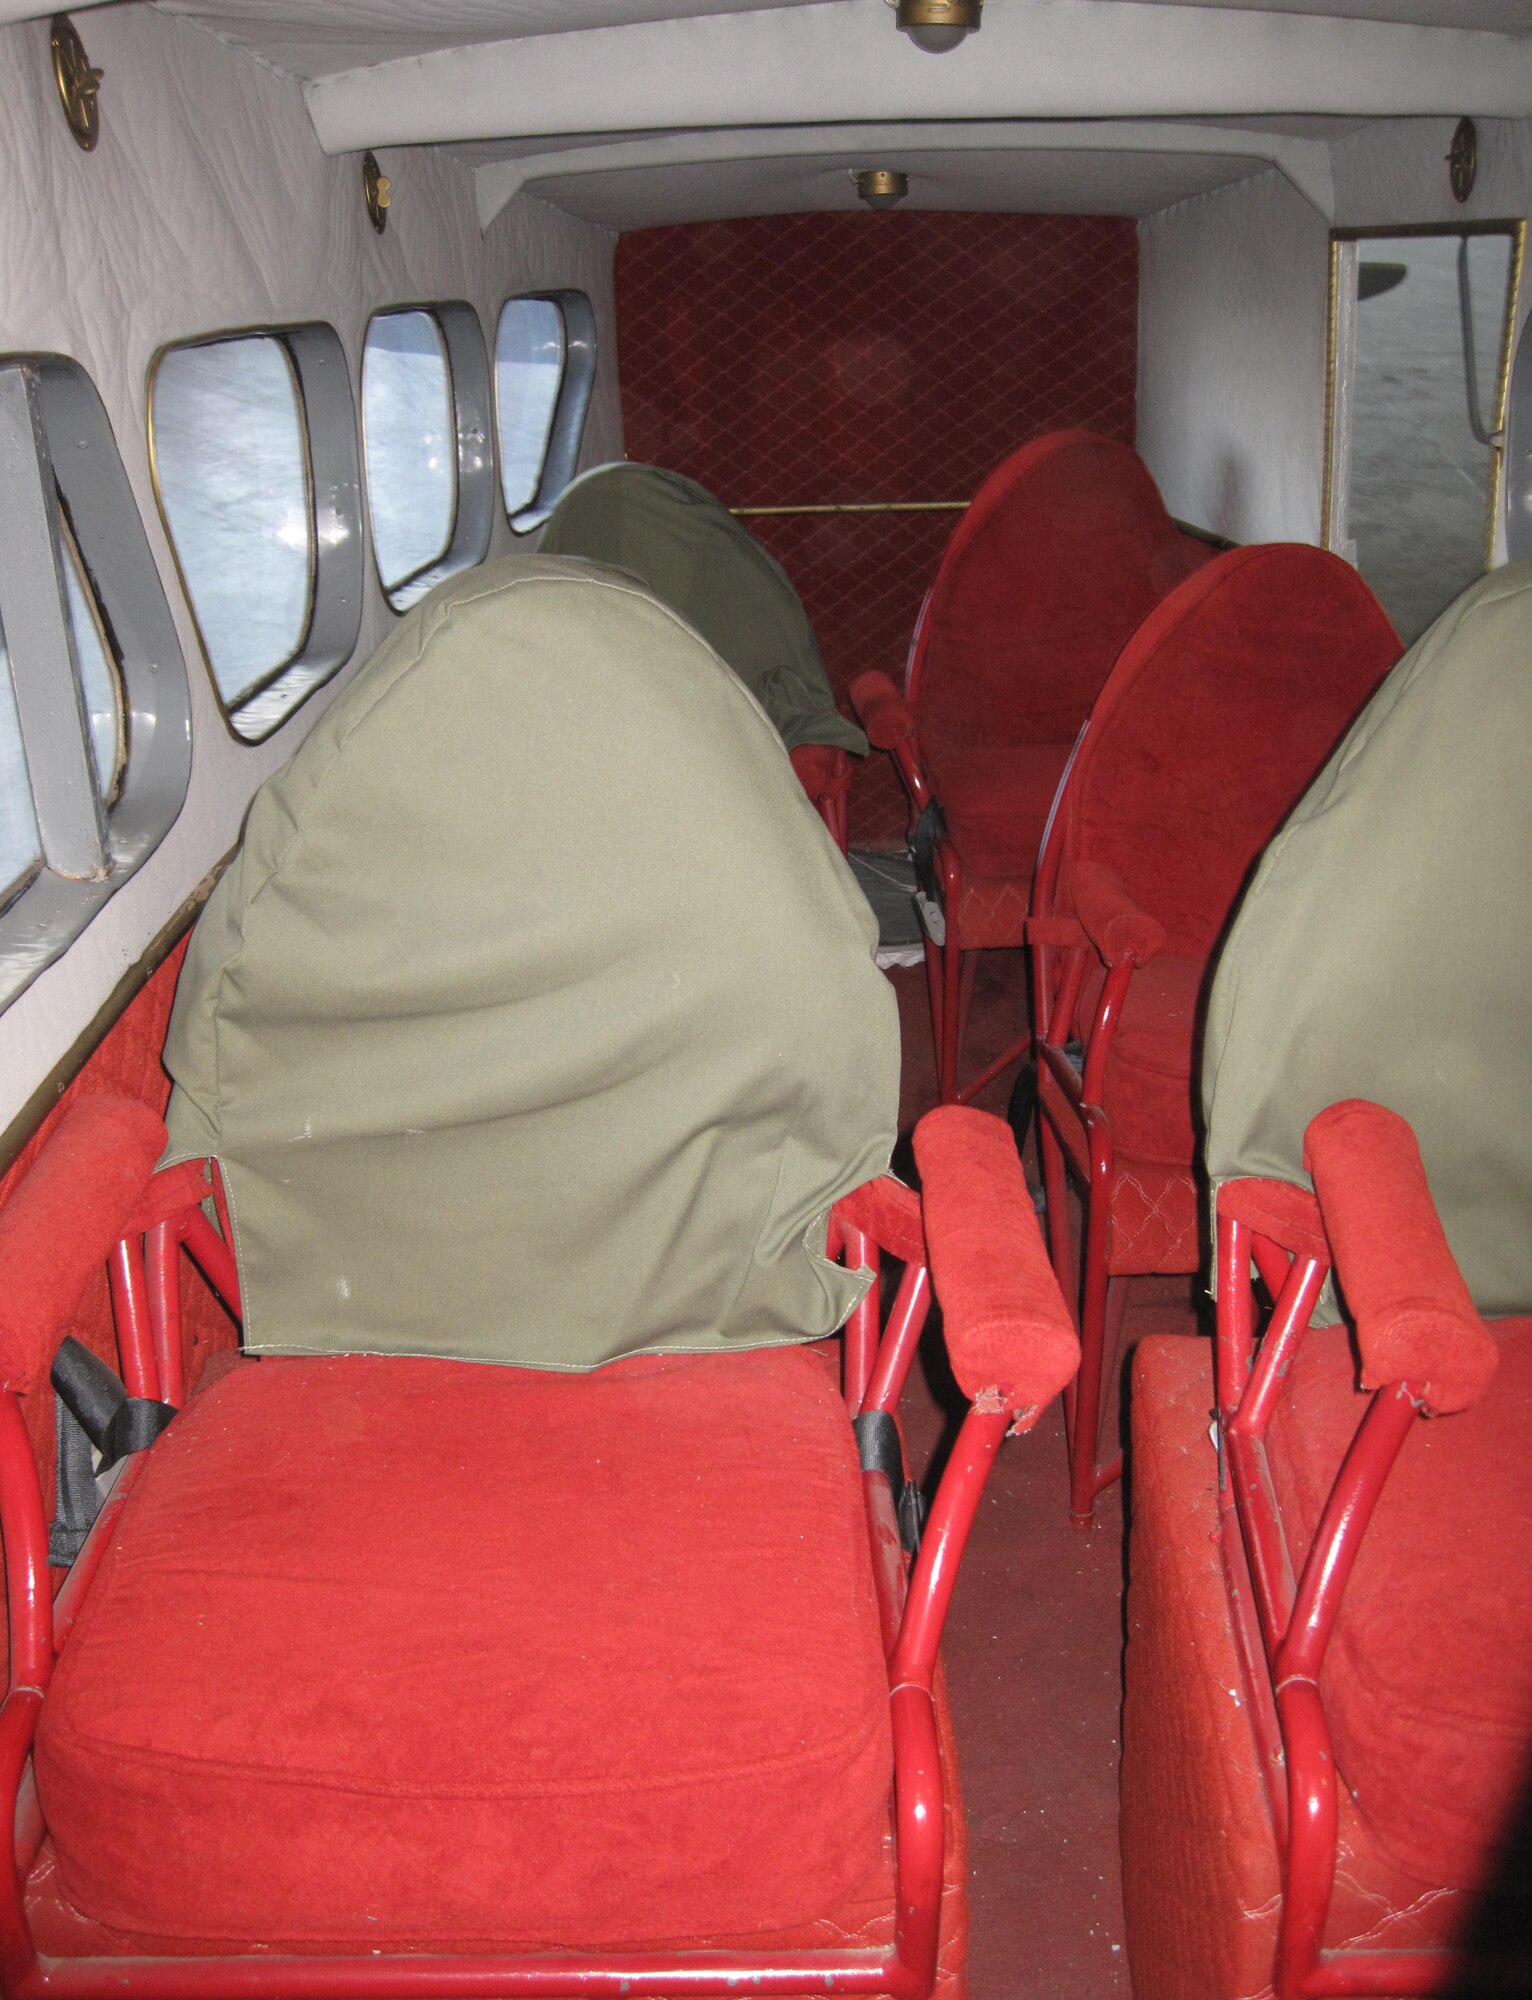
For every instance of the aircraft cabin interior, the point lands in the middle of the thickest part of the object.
(766, 999)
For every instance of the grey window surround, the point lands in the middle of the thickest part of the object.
(562, 456)
(57, 453)
(471, 391)
(329, 420)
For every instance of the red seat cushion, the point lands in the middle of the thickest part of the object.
(996, 802)
(1147, 1087)
(1428, 1680)
(398, 1652)
(1202, 1873)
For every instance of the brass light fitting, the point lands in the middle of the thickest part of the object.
(377, 191)
(79, 85)
(881, 187)
(938, 25)
(1463, 159)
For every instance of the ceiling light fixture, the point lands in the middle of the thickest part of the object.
(881, 187)
(937, 25)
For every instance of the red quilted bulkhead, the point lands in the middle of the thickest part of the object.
(815, 359)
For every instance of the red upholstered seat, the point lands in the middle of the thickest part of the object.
(1064, 550)
(658, 1711)
(1428, 1681)
(1201, 1870)
(1220, 711)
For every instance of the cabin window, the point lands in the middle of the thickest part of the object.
(425, 422)
(545, 366)
(254, 445)
(1422, 336)
(95, 739)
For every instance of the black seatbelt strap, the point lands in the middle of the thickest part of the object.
(93, 1413)
(878, 1447)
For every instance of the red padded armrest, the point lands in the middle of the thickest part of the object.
(1007, 1328)
(824, 769)
(1415, 1321)
(1121, 932)
(882, 711)
(80, 1195)
(1279, 1211)
(888, 1212)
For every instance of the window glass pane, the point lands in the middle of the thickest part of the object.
(98, 673)
(1420, 479)
(411, 437)
(230, 455)
(20, 848)
(529, 365)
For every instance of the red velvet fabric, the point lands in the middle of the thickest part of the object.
(1288, 1215)
(394, 1652)
(890, 1213)
(1415, 1321)
(808, 358)
(1151, 1065)
(1122, 933)
(1428, 1680)
(61, 1221)
(1221, 709)
(1004, 1320)
(1155, 1221)
(996, 802)
(1066, 547)
(1201, 1871)
(882, 711)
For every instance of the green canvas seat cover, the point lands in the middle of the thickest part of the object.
(520, 1040)
(1384, 947)
(673, 535)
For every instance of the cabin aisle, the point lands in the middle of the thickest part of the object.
(1033, 1649)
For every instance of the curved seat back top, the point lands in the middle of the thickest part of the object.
(1066, 548)
(1216, 718)
(1384, 952)
(686, 546)
(530, 945)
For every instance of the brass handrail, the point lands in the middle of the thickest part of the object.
(861, 507)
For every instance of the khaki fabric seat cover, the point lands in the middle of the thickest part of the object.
(524, 1041)
(673, 535)
(1384, 948)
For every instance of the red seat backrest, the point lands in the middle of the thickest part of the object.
(1221, 710)
(1066, 548)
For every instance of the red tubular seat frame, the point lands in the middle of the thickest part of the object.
(1011, 1343)
(1063, 551)
(1219, 712)
(1262, 1825)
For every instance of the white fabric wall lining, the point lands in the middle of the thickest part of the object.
(1233, 318)
(208, 204)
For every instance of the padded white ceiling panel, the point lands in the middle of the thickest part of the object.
(310, 38)
(843, 61)
(1501, 17)
(1042, 183)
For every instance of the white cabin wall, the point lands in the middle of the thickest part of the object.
(1233, 304)
(1233, 310)
(208, 204)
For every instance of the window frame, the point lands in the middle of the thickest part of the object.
(332, 469)
(470, 387)
(1340, 358)
(571, 405)
(61, 473)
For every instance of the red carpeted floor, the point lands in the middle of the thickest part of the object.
(1034, 1643)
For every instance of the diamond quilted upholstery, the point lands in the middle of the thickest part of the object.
(811, 359)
